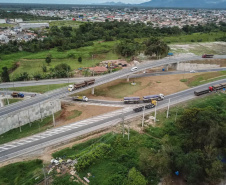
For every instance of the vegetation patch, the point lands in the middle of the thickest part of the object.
(39, 88)
(28, 129)
(14, 100)
(74, 114)
(205, 78)
(29, 172)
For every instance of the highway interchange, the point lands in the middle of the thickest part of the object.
(99, 81)
(62, 134)
(57, 135)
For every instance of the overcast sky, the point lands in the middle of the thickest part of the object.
(72, 1)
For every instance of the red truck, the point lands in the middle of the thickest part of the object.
(207, 56)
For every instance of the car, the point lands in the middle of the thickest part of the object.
(134, 69)
(192, 71)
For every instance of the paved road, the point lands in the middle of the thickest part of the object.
(81, 79)
(57, 135)
(101, 80)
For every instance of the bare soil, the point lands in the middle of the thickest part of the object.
(88, 111)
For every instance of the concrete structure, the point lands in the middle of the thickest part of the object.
(2, 21)
(98, 69)
(28, 115)
(33, 25)
(194, 66)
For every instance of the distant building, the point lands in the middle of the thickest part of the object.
(98, 69)
(4, 39)
(25, 26)
(18, 20)
(2, 21)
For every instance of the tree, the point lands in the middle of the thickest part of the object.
(48, 59)
(135, 178)
(80, 59)
(5, 75)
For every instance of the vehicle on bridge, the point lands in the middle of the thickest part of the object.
(207, 56)
(80, 85)
(211, 89)
(134, 69)
(147, 99)
(17, 95)
(80, 98)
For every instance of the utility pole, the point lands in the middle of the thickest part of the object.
(155, 110)
(43, 169)
(54, 123)
(167, 115)
(123, 123)
(176, 115)
(93, 65)
(7, 96)
(143, 118)
(128, 132)
(19, 121)
(40, 112)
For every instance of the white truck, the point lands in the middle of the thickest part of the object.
(157, 97)
(80, 98)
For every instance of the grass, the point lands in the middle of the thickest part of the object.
(183, 80)
(205, 37)
(29, 172)
(74, 114)
(27, 130)
(205, 78)
(38, 88)
(14, 100)
(32, 63)
(117, 89)
(3, 25)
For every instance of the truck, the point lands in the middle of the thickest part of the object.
(80, 85)
(80, 98)
(17, 95)
(128, 100)
(149, 106)
(147, 99)
(207, 56)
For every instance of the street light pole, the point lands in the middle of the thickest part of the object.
(167, 115)
(155, 111)
(54, 123)
(143, 118)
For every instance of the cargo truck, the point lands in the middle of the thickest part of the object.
(149, 106)
(80, 98)
(80, 85)
(147, 99)
(131, 100)
(210, 89)
(207, 56)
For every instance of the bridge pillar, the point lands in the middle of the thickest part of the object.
(167, 67)
(127, 78)
(92, 91)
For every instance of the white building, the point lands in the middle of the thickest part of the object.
(4, 39)
(18, 20)
(2, 21)
(33, 25)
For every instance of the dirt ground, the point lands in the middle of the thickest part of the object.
(88, 111)
(166, 85)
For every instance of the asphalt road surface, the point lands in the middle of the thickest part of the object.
(64, 133)
(99, 81)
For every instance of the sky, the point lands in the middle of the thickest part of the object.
(72, 1)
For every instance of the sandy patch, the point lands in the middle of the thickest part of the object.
(88, 111)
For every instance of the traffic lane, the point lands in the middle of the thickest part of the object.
(57, 136)
(3, 154)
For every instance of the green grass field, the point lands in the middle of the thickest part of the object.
(32, 63)
(205, 78)
(11, 101)
(28, 129)
(29, 172)
(39, 88)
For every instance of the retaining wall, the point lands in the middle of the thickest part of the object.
(28, 115)
(194, 66)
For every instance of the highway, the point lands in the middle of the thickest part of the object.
(99, 81)
(64, 133)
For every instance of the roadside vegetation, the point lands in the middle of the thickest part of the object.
(39, 88)
(14, 100)
(29, 129)
(29, 172)
(192, 141)
(204, 78)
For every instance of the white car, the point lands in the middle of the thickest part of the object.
(134, 69)
(192, 71)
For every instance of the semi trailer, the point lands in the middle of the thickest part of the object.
(17, 95)
(149, 106)
(147, 99)
(211, 89)
(80, 85)
(80, 98)
(128, 100)
(207, 56)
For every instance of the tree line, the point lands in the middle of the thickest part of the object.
(65, 37)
